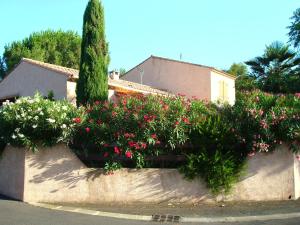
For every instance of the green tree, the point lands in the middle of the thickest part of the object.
(294, 32)
(243, 82)
(93, 80)
(276, 69)
(56, 47)
(122, 71)
(238, 69)
(2, 69)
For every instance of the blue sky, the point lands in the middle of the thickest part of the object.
(210, 32)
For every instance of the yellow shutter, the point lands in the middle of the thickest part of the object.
(225, 92)
(221, 90)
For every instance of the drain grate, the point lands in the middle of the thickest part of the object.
(165, 218)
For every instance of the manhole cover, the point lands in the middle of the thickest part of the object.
(165, 218)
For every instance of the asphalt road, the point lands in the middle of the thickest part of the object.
(18, 213)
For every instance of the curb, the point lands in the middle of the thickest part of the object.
(183, 219)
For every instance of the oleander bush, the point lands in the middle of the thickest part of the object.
(30, 122)
(215, 139)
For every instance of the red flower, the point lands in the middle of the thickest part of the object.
(87, 129)
(154, 136)
(176, 123)
(77, 120)
(128, 154)
(105, 155)
(166, 107)
(105, 145)
(143, 145)
(117, 150)
(185, 120)
(131, 144)
(157, 142)
(97, 102)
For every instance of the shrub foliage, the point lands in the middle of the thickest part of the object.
(216, 140)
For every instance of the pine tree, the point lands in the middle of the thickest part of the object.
(93, 80)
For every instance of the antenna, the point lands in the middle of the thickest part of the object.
(141, 71)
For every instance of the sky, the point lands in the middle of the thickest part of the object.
(209, 32)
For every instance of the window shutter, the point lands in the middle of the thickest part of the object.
(221, 90)
(226, 98)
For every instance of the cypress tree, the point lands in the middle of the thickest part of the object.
(93, 80)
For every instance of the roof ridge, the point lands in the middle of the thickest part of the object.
(195, 64)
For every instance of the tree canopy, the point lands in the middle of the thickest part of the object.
(294, 33)
(277, 70)
(55, 47)
(93, 79)
(243, 82)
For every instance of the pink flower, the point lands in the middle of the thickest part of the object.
(97, 102)
(128, 154)
(117, 150)
(105, 145)
(165, 107)
(113, 114)
(87, 129)
(297, 95)
(154, 136)
(105, 155)
(298, 157)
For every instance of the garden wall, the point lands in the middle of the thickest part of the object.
(57, 175)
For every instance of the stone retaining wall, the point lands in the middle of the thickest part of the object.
(57, 175)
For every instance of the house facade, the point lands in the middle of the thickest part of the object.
(190, 79)
(30, 76)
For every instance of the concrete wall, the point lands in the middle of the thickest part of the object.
(216, 78)
(175, 77)
(56, 175)
(26, 79)
(297, 176)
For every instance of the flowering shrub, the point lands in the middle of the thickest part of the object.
(216, 140)
(32, 121)
(265, 121)
(140, 126)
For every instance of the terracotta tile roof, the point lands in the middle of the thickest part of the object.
(72, 74)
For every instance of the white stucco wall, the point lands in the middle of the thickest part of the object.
(57, 175)
(215, 81)
(26, 79)
(174, 77)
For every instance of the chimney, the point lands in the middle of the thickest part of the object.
(114, 75)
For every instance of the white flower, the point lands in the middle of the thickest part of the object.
(51, 120)
(63, 126)
(34, 126)
(41, 113)
(17, 130)
(21, 135)
(30, 101)
(13, 136)
(36, 117)
(64, 107)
